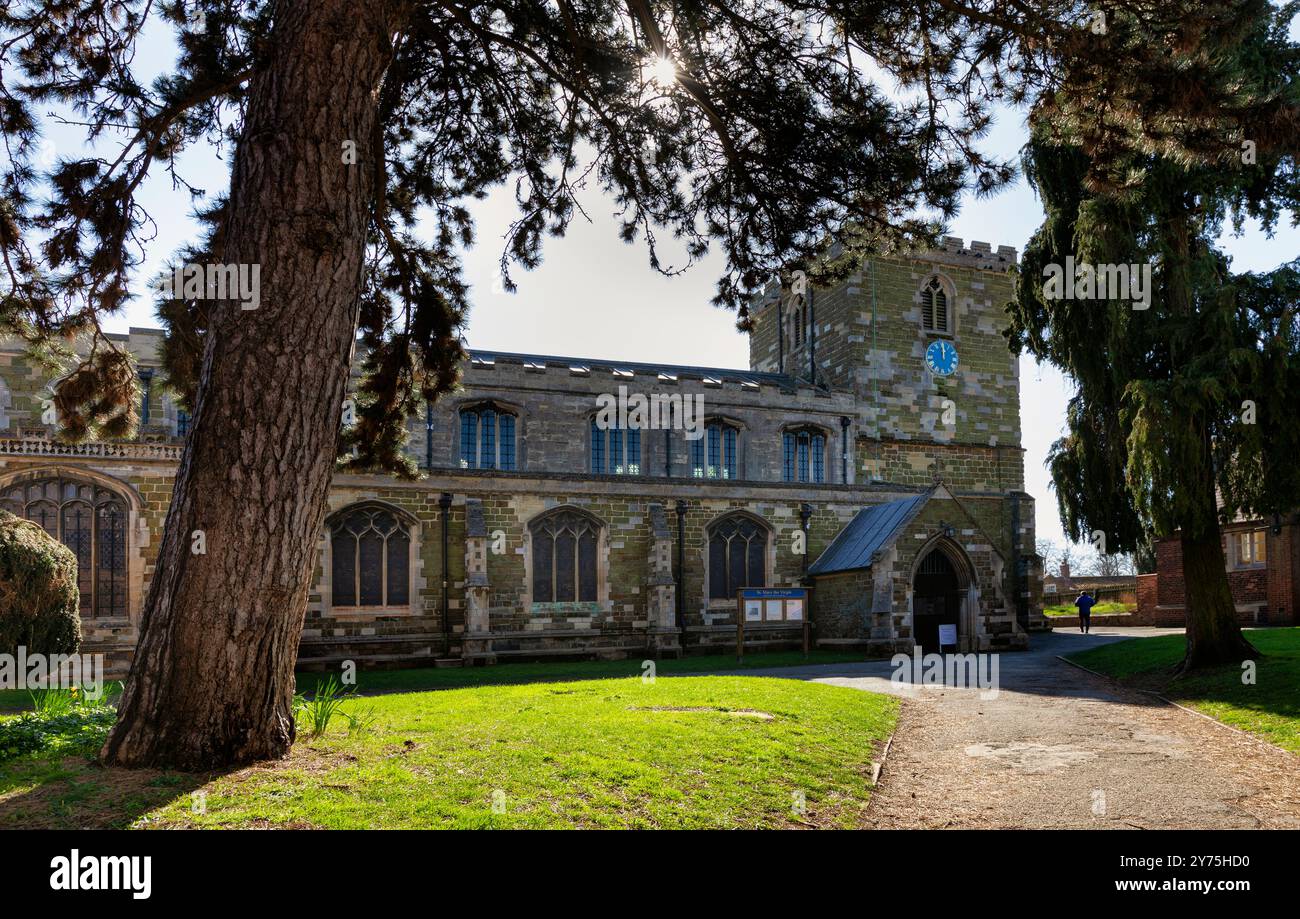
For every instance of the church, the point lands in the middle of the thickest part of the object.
(868, 461)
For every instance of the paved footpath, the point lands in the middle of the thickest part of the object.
(1059, 747)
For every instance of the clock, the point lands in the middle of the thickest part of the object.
(941, 358)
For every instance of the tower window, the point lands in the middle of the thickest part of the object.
(934, 307)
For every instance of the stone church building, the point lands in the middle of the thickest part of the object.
(870, 452)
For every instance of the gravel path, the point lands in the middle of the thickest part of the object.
(1059, 747)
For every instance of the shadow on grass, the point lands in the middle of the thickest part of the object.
(380, 682)
(75, 792)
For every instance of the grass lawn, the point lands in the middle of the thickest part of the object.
(412, 680)
(688, 752)
(1270, 707)
(1101, 609)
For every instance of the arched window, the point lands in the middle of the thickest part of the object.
(564, 557)
(370, 558)
(737, 556)
(796, 327)
(715, 455)
(614, 450)
(803, 456)
(487, 438)
(91, 521)
(934, 307)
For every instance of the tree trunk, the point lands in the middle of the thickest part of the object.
(212, 683)
(1213, 634)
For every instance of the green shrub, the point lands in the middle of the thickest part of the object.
(81, 730)
(39, 599)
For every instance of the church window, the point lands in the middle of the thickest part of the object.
(370, 558)
(803, 456)
(737, 555)
(91, 521)
(487, 438)
(715, 455)
(564, 557)
(614, 450)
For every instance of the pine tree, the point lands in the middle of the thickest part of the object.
(358, 132)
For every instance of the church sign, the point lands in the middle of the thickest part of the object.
(771, 605)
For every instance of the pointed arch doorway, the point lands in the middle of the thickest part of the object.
(938, 589)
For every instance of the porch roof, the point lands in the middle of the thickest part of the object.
(873, 529)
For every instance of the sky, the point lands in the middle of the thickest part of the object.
(595, 296)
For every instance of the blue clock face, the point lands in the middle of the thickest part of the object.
(941, 358)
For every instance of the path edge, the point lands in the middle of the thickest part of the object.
(1191, 711)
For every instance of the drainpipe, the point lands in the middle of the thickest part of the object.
(845, 421)
(444, 503)
(428, 435)
(681, 574)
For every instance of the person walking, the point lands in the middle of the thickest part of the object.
(1085, 603)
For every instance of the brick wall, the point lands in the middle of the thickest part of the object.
(1264, 595)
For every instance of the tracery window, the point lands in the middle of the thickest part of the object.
(564, 557)
(92, 521)
(370, 558)
(737, 556)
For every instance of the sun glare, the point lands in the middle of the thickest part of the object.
(663, 72)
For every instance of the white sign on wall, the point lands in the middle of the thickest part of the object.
(947, 635)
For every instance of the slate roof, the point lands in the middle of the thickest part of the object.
(873, 529)
(721, 374)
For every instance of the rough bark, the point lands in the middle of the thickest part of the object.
(1213, 634)
(212, 683)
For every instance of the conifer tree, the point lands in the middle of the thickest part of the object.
(1183, 416)
(358, 131)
